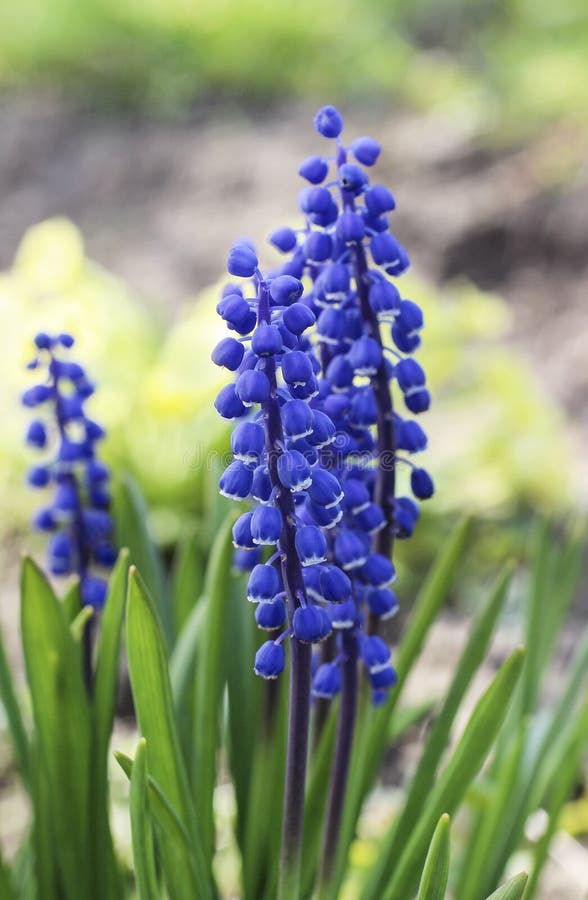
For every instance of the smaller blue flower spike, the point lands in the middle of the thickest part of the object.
(77, 517)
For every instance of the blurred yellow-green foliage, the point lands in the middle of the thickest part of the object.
(495, 437)
(510, 65)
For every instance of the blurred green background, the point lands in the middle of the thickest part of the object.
(149, 135)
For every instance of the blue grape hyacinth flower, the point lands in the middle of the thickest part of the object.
(76, 518)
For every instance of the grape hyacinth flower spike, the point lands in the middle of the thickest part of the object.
(77, 518)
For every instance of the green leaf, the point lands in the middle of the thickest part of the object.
(183, 658)
(72, 602)
(211, 672)
(512, 890)
(130, 516)
(424, 777)
(78, 625)
(561, 788)
(143, 858)
(105, 694)
(436, 869)
(16, 728)
(154, 706)
(371, 732)
(166, 817)
(61, 712)
(7, 889)
(407, 718)
(187, 577)
(464, 763)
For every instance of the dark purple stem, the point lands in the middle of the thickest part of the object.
(340, 771)
(300, 654)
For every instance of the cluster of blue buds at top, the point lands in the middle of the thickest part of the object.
(318, 346)
(77, 518)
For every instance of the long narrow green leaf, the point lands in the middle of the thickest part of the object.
(186, 583)
(154, 706)
(44, 875)
(130, 516)
(486, 856)
(16, 728)
(424, 777)
(183, 659)
(371, 733)
(464, 763)
(211, 679)
(512, 890)
(561, 789)
(436, 869)
(62, 718)
(7, 889)
(105, 694)
(143, 858)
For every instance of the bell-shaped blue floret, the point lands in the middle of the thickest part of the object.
(242, 537)
(298, 317)
(335, 282)
(297, 419)
(382, 602)
(247, 442)
(266, 340)
(410, 317)
(352, 178)
(44, 520)
(252, 387)
(384, 249)
(328, 122)
(366, 150)
(305, 391)
(330, 326)
(327, 681)
(270, 614)
(36, 395)
(323, 430)
(315, 200)
(400, 265)
(311, 578)
(384, 679)
(36, 435)
(406, 514)
(294, 471)
(378, 200)
(235, 482)
(363, 411)
(246, 560)
(318, 247)
(263, 584)
(409, 374)
(334, 584)
(371, 519)
(384, 297)
(242, 260)
(311, 545)
(39, 476)
(266, 525)
(421, 484)
(357, 495)
(283, 239)
(378, 571)
(340, 373)
(311, 624)
(406, 343)
(350, 551)
(270, 660)
(296, 368)
(314, 169)
(66, 498)
(227, 403)
(286, 289)
(365, 356)
(375, 654)
(350, 228)
(409, 436)
(261, 487)
(343, 615)
(325, 489)
(417, 400)
(325, 518)
(60, 554)
(93, 592)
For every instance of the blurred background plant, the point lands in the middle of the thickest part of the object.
(161, 131)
